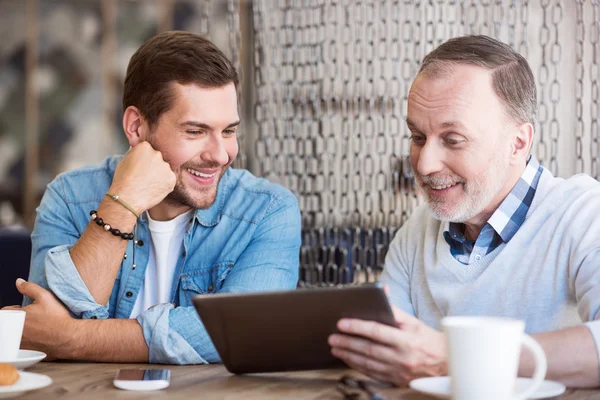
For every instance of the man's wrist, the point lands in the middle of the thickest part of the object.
(115, 215)
(126, 199)
(69, 345)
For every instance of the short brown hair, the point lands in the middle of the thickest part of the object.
(173, 56)
(512, 78)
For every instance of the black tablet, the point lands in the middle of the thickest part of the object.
(286, 330)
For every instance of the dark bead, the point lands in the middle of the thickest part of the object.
(92, 212)
(131, 236)
(140, 243)
(100, 222)
(116, 232)
(125, 235)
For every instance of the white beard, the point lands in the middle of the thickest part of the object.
(478, 193)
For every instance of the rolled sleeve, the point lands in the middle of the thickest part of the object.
(54, 234)
(176, 336)
(66, 284)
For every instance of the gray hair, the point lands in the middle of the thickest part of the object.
(512, 78)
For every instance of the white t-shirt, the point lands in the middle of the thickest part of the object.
(166, 242)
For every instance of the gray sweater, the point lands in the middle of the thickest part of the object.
(548, 274)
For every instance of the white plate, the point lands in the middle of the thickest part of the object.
(26, 358)
(27, 381)
(439, 387)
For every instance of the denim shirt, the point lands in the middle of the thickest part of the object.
(248, 240)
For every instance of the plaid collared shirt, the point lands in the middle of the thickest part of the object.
(504, 222)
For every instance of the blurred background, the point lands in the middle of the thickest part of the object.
(323, 98)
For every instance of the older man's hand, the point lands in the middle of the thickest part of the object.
(391, 354)
(48, 324)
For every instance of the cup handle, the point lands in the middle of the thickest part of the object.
(540, 367)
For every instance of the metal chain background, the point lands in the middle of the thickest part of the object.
(331, 80)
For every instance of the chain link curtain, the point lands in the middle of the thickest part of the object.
(331, 80)
(328, 91)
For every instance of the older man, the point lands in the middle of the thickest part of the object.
(499, 234)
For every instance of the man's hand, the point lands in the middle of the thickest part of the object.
(142, 178)
(391, 354)
(48, 325)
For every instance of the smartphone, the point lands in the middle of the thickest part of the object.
(142, 379)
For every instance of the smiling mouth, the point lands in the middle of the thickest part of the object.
(202, 174)
(442, 187)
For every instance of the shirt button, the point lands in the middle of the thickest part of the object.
(140, 243)
(128, 294)
(210, 288)
(478, 257)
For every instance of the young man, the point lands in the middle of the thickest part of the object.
(499, 234)
(202, 227)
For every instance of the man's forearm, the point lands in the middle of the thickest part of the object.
(572, 357)
(98, 254)
(110, 340)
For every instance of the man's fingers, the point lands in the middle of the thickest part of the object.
(15, 307)
(372, 330)
(365, 347)
(366, 365)
(30, 289)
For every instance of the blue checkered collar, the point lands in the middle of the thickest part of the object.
(510, 215)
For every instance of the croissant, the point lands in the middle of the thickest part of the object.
(8, 374)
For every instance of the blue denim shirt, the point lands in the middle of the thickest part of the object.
(248, 240)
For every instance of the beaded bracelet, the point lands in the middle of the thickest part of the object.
(108, 228)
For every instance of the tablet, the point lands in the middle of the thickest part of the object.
(286, 330)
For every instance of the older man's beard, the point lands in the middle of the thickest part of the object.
(478, 193)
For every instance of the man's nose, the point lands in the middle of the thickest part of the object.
(215, 151)
(429, 159)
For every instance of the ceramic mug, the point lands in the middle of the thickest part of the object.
(483, 357)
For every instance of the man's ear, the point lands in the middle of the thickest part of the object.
(135, 126)
(522, 141)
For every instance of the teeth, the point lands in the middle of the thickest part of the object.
(442, 187)
(200, 174)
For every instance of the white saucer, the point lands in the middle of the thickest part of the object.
(439, 387)
(27, 381)
(26, 358)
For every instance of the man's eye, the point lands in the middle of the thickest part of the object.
(229, 131)
(194, 132)
(454, 142)
(417, 139)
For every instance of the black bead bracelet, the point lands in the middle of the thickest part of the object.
(108, 228)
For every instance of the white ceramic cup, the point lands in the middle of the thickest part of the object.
(483, 358)
(11, 330)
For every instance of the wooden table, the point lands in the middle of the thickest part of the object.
(94, 381)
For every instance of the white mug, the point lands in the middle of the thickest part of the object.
(483, 358)
(11, 330)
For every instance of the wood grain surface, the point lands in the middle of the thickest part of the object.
(73, 380)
